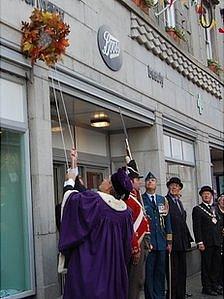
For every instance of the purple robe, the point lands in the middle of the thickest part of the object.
(97, 240)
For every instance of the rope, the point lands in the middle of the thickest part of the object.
(126, 135)
(38, 4)
(66, 115)
(64, 107)
(59, 120)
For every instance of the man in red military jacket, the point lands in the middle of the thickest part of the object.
(140, 240)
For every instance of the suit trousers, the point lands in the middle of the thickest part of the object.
(136, 274)
(210, 263)
(155, 275)
(178, 274)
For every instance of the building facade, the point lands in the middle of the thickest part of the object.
(123, 61)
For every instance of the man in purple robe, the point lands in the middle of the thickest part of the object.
(95, 236)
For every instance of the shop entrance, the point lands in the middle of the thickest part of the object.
(98, 136)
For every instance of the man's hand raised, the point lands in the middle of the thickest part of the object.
(74, 158)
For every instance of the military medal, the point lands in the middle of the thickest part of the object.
(214, 220)
(161, 208)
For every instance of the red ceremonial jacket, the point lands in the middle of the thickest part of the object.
(140, 221)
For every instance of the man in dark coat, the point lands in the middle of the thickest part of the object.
(220, 211)
(181, 239)
(157, 210)
(207, 232)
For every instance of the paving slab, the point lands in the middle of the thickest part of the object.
(194, 287)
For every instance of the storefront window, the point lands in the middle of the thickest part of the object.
(14, 240)
(180, 162)
(16, 236)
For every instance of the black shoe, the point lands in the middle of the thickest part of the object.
(209, 292)
(187, 295)
(219, 291)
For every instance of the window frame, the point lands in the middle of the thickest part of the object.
(22, 127)
(208, 43)
(169, 16)
(179, 161)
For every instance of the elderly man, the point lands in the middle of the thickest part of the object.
(95, 236)
(207, 232)
(161, 239)
(181, 239)
(220, 211)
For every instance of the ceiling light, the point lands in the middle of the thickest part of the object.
(100, 120)
(56, 129)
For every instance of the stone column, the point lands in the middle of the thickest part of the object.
(148, 150)
(203, 160)
(42, 184)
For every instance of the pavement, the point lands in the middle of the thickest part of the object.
(194, 287)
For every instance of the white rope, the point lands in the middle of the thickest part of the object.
(66, 115)
(57, 107)
(64, 106)
(59, 120)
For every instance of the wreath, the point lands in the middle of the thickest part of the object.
(44, 38)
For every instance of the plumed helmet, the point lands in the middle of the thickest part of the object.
(132, 170)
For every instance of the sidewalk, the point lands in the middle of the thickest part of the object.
(194, 287)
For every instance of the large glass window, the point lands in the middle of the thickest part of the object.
(14, 240)
(16, 244)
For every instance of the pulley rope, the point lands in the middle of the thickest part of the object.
(59, 120)
(66, 114)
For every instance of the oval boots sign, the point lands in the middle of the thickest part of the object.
(109, 47)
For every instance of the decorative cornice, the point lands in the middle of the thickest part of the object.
(153, 41)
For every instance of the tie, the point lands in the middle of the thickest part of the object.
(209, 206)
(153, 200)
(178, 205)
